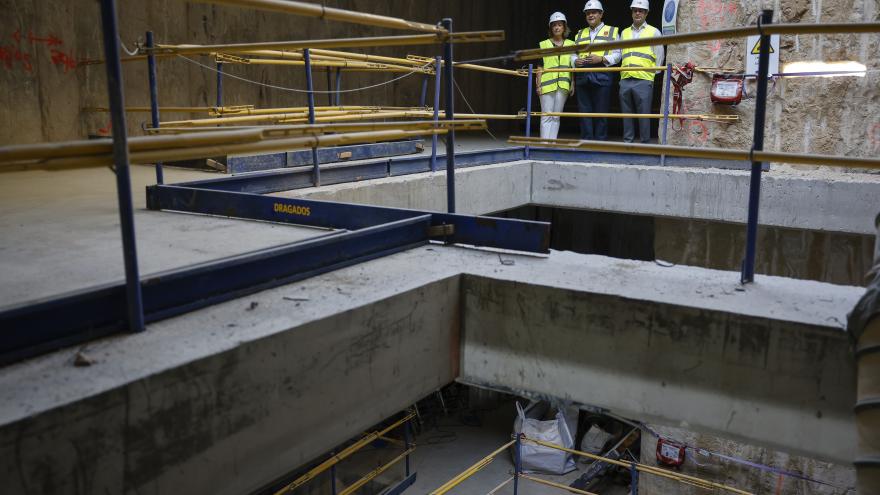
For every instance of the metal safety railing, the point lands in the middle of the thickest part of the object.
(334, 459)
(764, 28)
(120, 151)
(634, 467)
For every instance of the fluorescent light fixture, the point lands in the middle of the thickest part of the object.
(824, 69)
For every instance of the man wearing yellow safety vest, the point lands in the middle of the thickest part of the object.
(554, 87)
(594, 88)
(637, 87)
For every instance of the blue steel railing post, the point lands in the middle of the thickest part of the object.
(338, 86)
(529, 108)
(634, 479)
(333, 476)
(748, 266)
(316, 174)
(666, 110)
(450, 115)
(154, 98)
(437, 78)
(329, 85)
(219, 85)
(113, 64)
(424, 96)
(407, 443)
(517, 462)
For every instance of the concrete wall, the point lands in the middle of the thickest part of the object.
(739, 475)
(236, 419)
(804, 115)
(43, 92)
(736, 376)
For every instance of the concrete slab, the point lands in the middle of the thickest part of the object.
(814, 200)
(226, 398)
(60, 232)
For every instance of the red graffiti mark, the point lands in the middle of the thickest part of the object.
(17, 36)
(9, 55)
(49, 41)
(105, 131)
(60, 58)
(874, 136)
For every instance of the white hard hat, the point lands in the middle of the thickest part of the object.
(594, 5)
(558, 16)
(640, 4)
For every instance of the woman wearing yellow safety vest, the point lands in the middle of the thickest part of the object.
(637, 87)
(554, 87)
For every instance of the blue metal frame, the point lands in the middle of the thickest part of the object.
(450, 115)
(316, 172)
(110, 30)
(748, 265)
(401, 486)
(35, 328)
(219, 84)
(154, 98)
(338, 87)
(437, 75)
(666, 110)
(289, 159)
(529, 109)
(520, 235)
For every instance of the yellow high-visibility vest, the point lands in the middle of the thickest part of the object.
(605, 34)
(640, 56)
(551, 81)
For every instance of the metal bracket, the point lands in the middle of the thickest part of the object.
(441, 230)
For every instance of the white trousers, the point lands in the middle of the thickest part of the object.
(552, 102)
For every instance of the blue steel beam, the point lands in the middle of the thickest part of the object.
(296, 178)
(38, 327)
(520, 235)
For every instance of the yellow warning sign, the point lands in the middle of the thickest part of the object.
(756, 50)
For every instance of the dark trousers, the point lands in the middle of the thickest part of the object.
(594, 96)
(635, 97)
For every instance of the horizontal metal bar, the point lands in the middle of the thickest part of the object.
(36, 327)
(520, 235)
(329, 13)
(253, 163)
(375, 41)
(683, 38)
(713, 153)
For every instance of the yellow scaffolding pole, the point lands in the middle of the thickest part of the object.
(335, 459)
(482, 68)
(642, 467)
(376, 41)
(217, 149)
(683, 38)
(708, 117)
(372, 474)
(350, 65)
(274, 130)
(556, 485)
(714, 153)
(467, 473)
(593, 69)
(321, 11)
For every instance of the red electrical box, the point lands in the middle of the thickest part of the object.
(670, 453)
(727, 89)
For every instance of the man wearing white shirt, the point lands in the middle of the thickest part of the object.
(637, 87)
(594, 88)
